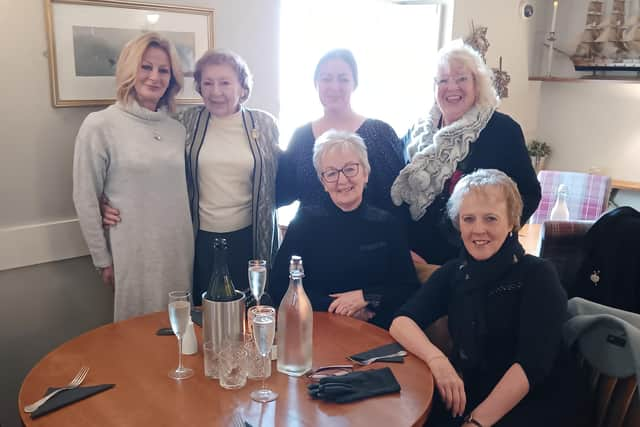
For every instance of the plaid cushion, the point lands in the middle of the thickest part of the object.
(588, 195)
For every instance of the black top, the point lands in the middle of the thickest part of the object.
(345, 251)
(298, 180)
(500, 146)
(508, 309)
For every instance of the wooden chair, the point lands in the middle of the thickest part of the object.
(615, 400)
(606, 341)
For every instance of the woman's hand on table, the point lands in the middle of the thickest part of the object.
(347, 303)
(364, 314)
(449, 384)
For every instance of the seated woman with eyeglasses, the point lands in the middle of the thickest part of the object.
(356, 257)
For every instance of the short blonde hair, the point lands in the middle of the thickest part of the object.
(235, 61)
(129, 63)
(476, 182)
(333, 139)
(457, 52)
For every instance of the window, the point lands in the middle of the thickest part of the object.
(394, 43)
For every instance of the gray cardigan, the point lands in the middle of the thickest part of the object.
(607, 337)
(262, 133)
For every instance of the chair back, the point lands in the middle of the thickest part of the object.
(607, 341)
(587, 199)
(615, 400)
(561, 243)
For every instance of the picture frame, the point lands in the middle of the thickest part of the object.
(85, 38)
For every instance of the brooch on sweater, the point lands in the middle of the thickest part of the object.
(595, 277)
(505, 288)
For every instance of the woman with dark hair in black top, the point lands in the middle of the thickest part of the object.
(336, 78)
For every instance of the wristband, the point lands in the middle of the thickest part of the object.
(469, 419)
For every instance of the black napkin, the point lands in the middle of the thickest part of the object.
(355, 386)
(381, 351)
(68, 397)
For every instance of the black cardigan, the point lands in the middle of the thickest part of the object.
(508, 309)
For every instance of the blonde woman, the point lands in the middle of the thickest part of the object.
(509, 366)
(133, 154)
(462, 132)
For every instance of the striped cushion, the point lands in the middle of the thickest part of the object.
(588, 195)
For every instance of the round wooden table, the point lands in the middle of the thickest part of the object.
(131, 355)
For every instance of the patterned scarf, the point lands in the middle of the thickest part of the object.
(435, 154)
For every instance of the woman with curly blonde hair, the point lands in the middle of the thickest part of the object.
(462, 132)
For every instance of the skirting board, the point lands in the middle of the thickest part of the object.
(34, 244)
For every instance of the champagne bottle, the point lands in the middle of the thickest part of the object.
(220, 286)
(295, 328)
(560, 211)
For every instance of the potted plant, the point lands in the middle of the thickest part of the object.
(539, 151)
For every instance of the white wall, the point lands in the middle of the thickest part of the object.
(509, 37)
(589, 124)
(37, 219)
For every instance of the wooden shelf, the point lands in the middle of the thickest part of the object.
(618, 79)
(618, 184)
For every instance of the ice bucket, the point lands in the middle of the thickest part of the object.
(223, 320)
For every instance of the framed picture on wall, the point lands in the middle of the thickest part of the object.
(86, 37)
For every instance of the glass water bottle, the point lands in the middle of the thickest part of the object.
(295, 328)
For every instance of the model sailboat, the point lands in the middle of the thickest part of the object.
(608, 42)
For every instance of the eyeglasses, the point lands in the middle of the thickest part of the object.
(459, 81)
(329, 371)
(332, 174)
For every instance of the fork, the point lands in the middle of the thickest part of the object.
(373, 359)
(75, 382)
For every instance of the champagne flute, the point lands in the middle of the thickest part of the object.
(257, 278)
(179, 313)
(264, 329)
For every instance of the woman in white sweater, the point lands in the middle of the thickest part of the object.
(133, 153)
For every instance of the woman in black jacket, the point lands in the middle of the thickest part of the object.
(463, 132)
(509, 366)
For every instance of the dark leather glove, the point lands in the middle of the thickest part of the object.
(355, 386)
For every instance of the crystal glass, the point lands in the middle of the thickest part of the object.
(179, 313)
(264, 330)
(258, 310)
(232, 368)
(211, 361)
(257, 278)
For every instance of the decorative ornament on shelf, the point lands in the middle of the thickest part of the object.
(538, 151)
(479, 41)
